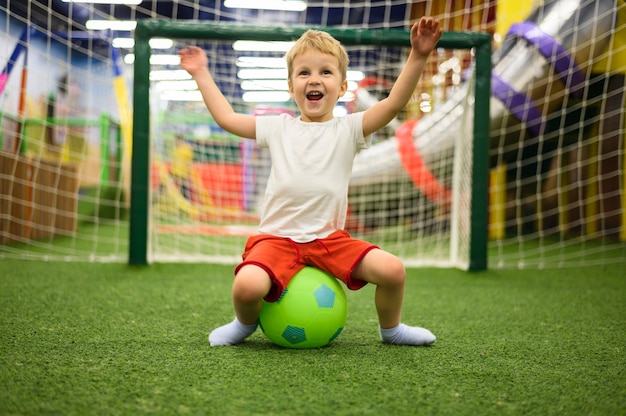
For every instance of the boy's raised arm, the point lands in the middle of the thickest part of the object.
(424, 36)
(194, 60)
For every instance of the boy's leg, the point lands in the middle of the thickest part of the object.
(251, 285)
(387, 272)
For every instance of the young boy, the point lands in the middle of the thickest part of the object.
(305, 205)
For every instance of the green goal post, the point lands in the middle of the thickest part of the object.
(140, 169)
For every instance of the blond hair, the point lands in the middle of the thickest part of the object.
(322, 42)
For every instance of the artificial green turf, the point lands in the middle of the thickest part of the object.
(99, 339)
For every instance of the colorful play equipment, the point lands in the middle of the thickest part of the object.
(169, 199)
(43, 186)
(560, 40)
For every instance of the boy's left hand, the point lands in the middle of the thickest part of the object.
(425, 34)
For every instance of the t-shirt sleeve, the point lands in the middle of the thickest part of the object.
(266, 127)
(261, 131)
(362, 142)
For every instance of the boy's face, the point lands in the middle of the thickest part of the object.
(316, 84)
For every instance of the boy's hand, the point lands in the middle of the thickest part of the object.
(424, 35)
(193, 59)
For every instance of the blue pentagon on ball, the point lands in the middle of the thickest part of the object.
(310, 313)
(325, 297)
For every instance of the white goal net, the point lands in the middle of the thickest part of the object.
(409, 193)
(555, 154)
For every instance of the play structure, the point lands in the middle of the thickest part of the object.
(46, 186)
(197, 202)
(56, 170)
(518, 88)
(538, 77)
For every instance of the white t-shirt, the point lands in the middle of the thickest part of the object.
(307, 191)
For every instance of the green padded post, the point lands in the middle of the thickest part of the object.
(140, 165)
(480, 164)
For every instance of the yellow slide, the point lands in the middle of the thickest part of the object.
(172, 201)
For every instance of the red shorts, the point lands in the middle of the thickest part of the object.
(338, 254)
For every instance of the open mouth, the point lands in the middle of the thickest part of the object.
(314, 96)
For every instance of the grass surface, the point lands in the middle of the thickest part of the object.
(99, 339)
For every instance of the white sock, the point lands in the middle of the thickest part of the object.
(407, 335)
(231, 334)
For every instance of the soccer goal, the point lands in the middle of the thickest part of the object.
(420, 191)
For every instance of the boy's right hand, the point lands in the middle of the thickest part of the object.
(193, 59)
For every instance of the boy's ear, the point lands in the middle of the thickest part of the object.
(290, 85)
(344, 88)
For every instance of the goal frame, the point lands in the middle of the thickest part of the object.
(140, 160)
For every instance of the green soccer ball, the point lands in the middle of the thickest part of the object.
(310, 313)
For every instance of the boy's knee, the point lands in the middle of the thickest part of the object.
(381, 268)
(395, 271)
(251, 284)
